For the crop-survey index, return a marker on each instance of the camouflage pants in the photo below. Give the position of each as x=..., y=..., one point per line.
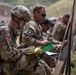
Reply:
x=51, y=61
x=25, y=66
x=44, y=68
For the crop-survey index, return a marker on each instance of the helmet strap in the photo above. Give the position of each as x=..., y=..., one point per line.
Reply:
x=16, y=21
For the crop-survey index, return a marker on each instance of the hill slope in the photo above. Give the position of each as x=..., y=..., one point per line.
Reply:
x=59, y=8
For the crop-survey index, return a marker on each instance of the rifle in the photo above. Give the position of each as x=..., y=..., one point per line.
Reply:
x=65, y=52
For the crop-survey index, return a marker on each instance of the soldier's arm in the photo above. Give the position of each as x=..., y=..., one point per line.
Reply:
x=62, y=28
x=57, y=45
x=8, y=51
x=56, y=29
x=30, y=38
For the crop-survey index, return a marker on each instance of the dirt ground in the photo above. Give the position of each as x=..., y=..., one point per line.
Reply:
x=5, y=19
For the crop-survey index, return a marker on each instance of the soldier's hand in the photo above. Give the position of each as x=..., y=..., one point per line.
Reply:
x=44, y=42
x=48, y=38
x=27, y=49
x=65, y=42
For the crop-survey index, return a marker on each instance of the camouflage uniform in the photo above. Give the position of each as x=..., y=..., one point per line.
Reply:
x=32, y=32
x=14, y=58
x=8, y=51
x=49, y=33
x=59, y=31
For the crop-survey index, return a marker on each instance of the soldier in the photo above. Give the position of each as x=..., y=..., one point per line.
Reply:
x=31, y=35
x=39, y=13
x=50, y=26
x=49, y=32
x=34, y=27
x=14, y=59
x=60, y=27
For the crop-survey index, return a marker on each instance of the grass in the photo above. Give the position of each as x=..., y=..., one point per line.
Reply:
x=74, y=59
x=59, y=8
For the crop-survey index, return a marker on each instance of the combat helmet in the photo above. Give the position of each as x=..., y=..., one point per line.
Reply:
x=21, y=12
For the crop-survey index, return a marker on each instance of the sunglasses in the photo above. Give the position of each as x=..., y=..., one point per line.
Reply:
x=44, y=15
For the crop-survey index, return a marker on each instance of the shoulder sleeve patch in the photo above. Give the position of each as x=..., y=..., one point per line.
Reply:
x=30, y=32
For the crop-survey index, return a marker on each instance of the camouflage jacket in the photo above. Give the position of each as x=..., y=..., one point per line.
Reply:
x=8, y=50
x=59, y=31
x=31, y=33
x=49, y=33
